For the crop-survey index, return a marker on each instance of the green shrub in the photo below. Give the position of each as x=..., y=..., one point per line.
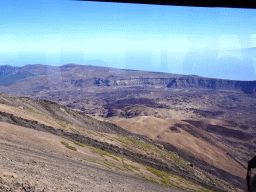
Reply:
x=68, y=146
x=102, y=153
x=63, y=124
x=110, y=164
x=104, y=165
x=90, y=159
x=94, y=150
x=79, y=144
x=127, y=166
x=94, y=161
x=101, y=134
x=170, y=156
x=122, y=158
x=147, y=178
x=129, y=141
x=64, y=143
x=34, y=112
x=165, y=180
x=134, y=167
x=75, y=131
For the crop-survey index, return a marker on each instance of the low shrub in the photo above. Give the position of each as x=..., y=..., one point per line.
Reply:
x=68, y=146
x=75, y=131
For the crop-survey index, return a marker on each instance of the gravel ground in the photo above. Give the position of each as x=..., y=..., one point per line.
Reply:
x=24, y=168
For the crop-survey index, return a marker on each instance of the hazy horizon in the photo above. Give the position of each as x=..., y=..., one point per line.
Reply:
x=172, y=39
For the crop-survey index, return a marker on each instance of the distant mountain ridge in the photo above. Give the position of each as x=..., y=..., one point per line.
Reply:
x=79, y=76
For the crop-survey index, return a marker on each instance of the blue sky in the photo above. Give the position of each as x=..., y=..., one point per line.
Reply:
x=135, y=36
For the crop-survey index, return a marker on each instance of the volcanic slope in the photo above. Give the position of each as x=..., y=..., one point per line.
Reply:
x=41, y=152
x=215, y=114
x=213, y=129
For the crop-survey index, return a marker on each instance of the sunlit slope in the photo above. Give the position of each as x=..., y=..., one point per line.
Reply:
x=27, y=131
x=166, y=130
x=39, y=160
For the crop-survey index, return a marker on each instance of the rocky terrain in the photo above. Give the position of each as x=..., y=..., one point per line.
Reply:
x=42, y=152
x=24, y=168
x=208, y=123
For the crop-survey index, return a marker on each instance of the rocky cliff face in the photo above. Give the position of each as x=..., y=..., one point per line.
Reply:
x=78, y=76
x=219, y=84
x=185, y=82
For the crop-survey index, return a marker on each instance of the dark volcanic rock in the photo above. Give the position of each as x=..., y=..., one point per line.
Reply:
x=223, y=131
x=209, y=114
x=232, y=123
x=174, y=129
x=235, y=180
x=245, y=127
x=189, y=129
x=120, y=104
x=195, y=123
